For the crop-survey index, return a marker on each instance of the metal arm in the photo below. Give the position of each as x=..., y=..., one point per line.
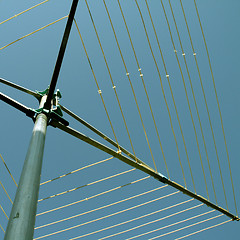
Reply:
x=23, y=89
x=143, y=168
x=28, y=111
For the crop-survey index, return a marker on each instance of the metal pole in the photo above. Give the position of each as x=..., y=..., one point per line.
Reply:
x=61, y=54
x=22, y=218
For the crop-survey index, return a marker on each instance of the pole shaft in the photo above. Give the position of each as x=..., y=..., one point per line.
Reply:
x=22, y=218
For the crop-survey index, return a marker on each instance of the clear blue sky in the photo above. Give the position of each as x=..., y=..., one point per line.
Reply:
x=30, y=62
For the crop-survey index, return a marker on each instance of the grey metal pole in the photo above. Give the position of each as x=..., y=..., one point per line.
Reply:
x=22, y=218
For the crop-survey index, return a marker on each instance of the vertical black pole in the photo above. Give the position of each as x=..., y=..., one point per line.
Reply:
x=61, y=54
x=22, y=218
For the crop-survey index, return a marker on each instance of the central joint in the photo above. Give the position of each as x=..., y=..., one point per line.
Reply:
x=55, y=112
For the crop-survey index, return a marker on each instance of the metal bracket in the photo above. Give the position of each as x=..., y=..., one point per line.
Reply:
x=54, y=114
x=45, y=92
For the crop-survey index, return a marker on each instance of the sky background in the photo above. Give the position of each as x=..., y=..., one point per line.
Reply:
x=30, y=62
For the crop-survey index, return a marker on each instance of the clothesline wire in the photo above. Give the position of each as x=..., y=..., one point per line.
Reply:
x=107, y=216
x=103, y=207
x=77, y=170
x=8, y=170
x=149, y=214
x=194, y=98
x=93, y=196
x=205, y=101
x=86, y=185
x=215, y=90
